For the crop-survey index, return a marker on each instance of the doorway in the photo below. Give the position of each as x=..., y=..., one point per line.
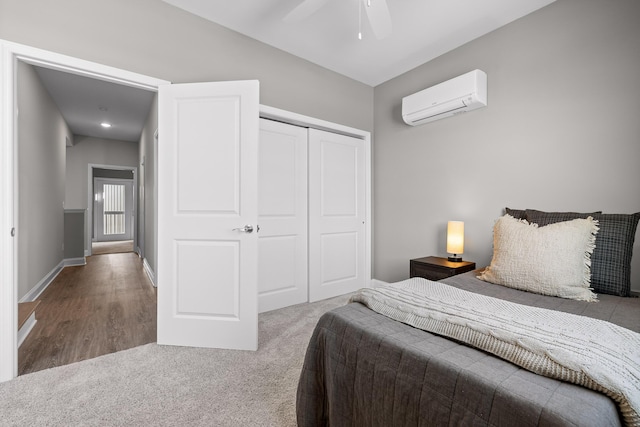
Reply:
x=113, y=207
x=44, y=108
x=112, y=219
x=13, y=55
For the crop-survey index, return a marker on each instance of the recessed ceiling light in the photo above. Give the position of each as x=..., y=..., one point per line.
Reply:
x=105, y=125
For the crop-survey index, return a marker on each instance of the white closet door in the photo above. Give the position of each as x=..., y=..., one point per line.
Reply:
x=282, y=215
x=336, y=214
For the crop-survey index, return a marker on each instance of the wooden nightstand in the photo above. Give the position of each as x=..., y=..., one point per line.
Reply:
x=436, y=268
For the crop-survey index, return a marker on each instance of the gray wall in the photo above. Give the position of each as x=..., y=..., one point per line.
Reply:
x=561, y=132
x=99, y=151
x=74, y=229
x=154, y=38
x=42, y=134
x=147, y=188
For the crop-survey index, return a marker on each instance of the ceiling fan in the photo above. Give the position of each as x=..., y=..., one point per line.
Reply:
x=377, y=13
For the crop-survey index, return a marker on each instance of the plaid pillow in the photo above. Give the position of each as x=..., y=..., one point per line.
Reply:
x=611, y=259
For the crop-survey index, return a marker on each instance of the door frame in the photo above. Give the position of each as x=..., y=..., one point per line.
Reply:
x=90, y=194
x=10, y=54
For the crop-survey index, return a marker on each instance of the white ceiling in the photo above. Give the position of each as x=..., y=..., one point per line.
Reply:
x=85, y=103
x=422, y=30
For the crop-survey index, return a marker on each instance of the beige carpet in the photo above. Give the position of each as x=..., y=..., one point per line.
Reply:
x=174, y=386
x=102, y=248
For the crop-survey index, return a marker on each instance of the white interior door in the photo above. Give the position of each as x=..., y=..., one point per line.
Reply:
x=113, y=209
x=337, y=214
x=282, y=215
x=207, y=209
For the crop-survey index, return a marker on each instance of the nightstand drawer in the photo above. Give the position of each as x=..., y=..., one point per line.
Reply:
x=418, y=270
x=435, y=268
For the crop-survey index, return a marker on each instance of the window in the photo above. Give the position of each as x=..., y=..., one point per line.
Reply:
x=114, y=201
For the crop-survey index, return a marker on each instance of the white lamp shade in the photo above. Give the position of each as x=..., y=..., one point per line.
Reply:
x=455, y=237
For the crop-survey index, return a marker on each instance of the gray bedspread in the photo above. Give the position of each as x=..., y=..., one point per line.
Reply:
x=364, y=369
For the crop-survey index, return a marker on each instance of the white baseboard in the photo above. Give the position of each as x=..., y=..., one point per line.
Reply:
x=150, y=273
x=70, y=262
x=375, y=283
x=39, y=287
x=26, y=328
x=35, y=292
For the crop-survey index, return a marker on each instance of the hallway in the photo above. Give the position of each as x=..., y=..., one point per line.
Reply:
x=105, y=306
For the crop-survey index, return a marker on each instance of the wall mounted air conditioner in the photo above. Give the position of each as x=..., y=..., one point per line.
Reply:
x=458, y=95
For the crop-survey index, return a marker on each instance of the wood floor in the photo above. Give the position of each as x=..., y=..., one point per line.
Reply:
x=101, y=248
x=105, y=306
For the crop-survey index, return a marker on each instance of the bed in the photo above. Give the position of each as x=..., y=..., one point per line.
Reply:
x=363, y=368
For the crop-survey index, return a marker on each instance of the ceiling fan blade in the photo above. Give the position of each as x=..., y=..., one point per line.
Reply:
x=379, y=17
x=305, y=9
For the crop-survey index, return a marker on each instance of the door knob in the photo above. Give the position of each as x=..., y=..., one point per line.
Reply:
x=245, y=229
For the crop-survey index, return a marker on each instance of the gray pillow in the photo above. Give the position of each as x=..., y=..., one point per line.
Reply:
x=545, y=218
x=611, y=259
x=516, y=213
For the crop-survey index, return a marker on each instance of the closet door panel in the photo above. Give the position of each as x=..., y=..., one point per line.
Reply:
x=282, y=216
x=336, y=214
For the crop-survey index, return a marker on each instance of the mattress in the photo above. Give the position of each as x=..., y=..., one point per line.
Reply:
x=364, y=369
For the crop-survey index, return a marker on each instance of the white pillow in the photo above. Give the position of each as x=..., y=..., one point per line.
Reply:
x=551, y=260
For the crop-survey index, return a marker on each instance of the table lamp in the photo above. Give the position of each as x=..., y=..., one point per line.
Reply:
x=455, y=240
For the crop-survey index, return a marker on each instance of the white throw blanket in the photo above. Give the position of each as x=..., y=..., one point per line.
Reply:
x=589, y=352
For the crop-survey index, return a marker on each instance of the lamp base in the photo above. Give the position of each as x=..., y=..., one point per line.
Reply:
x=454, y=258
